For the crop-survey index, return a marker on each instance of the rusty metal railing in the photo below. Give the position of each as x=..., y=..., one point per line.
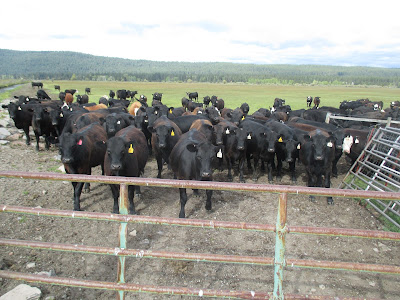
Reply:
x=281, y=229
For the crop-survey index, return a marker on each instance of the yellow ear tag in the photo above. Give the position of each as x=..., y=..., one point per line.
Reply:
x=130, y=149
x=242, y=118
x=170, y=111
x=172, y=133
x=280, y=140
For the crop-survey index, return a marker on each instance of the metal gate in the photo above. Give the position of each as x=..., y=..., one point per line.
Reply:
x=281, y=229
x=378, y=169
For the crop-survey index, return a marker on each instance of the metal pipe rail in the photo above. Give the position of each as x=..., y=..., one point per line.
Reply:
x=281, y=229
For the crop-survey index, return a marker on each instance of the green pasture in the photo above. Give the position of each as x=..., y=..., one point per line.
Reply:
x=234, y=95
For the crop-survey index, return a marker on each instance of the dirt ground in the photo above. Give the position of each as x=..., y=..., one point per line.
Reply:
x=227, y=206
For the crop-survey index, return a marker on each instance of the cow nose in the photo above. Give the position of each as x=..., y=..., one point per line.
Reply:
x=205, y=175
x=219, y=143
x=66, y=160
x=290, y=160
x=240, y=148
x=318, y=157
x=162, y=146
x=115, y=167
x=339, y=147
x=270, y=150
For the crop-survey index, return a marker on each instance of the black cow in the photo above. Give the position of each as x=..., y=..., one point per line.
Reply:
x=126, y=155
x=317, y=154
x=71, y=91
x=278, y=102
x=157, y=96
x=191, y=106
x=213, y=114
x=42, y=95
x=62, y=95
x=184, y=122
x=235, y=116
x=261, y=142
x=287, y=148
x=84, y=99
x=185, y=102
x=57, y=87
x=87, y=91
x=193, y=95
x=42, y=124
x=132, y=94
x=22, y=117
x=121, y=94
x=118, y=102
x=114, y=122
x=80, y=152
x=206, y=101
x=191, y=159
x=38, y=84
x=164, y=137
x=111, y=94
x=103, y=100
x=245, y=108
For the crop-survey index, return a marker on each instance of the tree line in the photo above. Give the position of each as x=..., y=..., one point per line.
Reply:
x=65, y=65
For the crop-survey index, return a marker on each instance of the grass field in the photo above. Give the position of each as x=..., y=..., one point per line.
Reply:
x=234, y=95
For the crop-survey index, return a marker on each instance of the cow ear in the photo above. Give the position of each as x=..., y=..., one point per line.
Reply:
x=229, y=115
x=4, y=106
x=191, y=147
x=102, y=120
x=307, y=137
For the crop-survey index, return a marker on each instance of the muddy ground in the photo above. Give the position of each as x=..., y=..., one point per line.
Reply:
x=227, y=206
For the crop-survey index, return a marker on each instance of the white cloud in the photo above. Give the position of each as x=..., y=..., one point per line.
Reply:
x=251, y=31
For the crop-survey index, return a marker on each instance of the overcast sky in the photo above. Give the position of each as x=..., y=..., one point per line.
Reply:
x=363, y=33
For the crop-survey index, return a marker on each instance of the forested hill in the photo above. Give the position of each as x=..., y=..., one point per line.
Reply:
x=73, y=65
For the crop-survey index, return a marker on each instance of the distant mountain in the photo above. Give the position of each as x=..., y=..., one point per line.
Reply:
x=66, y=64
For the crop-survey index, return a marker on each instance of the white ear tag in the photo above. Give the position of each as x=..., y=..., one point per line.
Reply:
x=298, y=147
x=227, y=131
x=61, y=115
x=119, y=122
x=356, y=141
x=219, y=154
x=19, y=108
x=249, y=137
x=329, y=144
x=146, y=121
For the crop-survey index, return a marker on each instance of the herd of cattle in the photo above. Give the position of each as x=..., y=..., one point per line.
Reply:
x=121, y=134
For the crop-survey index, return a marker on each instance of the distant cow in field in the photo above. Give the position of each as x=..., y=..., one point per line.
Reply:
x=87, y=91
x=57, y=87
x=317, y=102
x=309, y=101
x=41, y=94
x=38, y=84
x=193, y=95
x=111, y=94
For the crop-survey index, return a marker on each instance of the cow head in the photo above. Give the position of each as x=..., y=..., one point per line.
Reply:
x=205, y=153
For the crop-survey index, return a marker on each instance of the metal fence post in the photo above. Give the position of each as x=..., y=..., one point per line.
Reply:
x=280, y=240
x=123, y=231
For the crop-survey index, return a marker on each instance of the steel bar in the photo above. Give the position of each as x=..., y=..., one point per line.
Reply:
x=360, y=119
x=83, y=283
x=385, y=235
x=200, y=257
x=123, y=232
x=210, y=185
x=280, y=246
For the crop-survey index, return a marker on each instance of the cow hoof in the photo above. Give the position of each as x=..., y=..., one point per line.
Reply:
x=294, y=181
x=312, y=198
x=278, y=178
x=330, y=201
x=208, y=207
x=334, y=175
x=229, y=179
x=270, y=181
x=133, y=213
x=242, y=181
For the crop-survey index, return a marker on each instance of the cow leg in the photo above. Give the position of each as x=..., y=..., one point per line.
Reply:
x=26, y=131
x=241, y=165
x=338, y=154
x=328, y=185
x=248, y=162
x=77, y=194
x=131, y=195
x=311, y=183
x=115, y=193
x=208, y=201
x=37, y=141
x=229, y=163
x=183, y=198
x=196, y=193
x=256, y=170
x=46, y=142
x=159, y=165
x=279, y=169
